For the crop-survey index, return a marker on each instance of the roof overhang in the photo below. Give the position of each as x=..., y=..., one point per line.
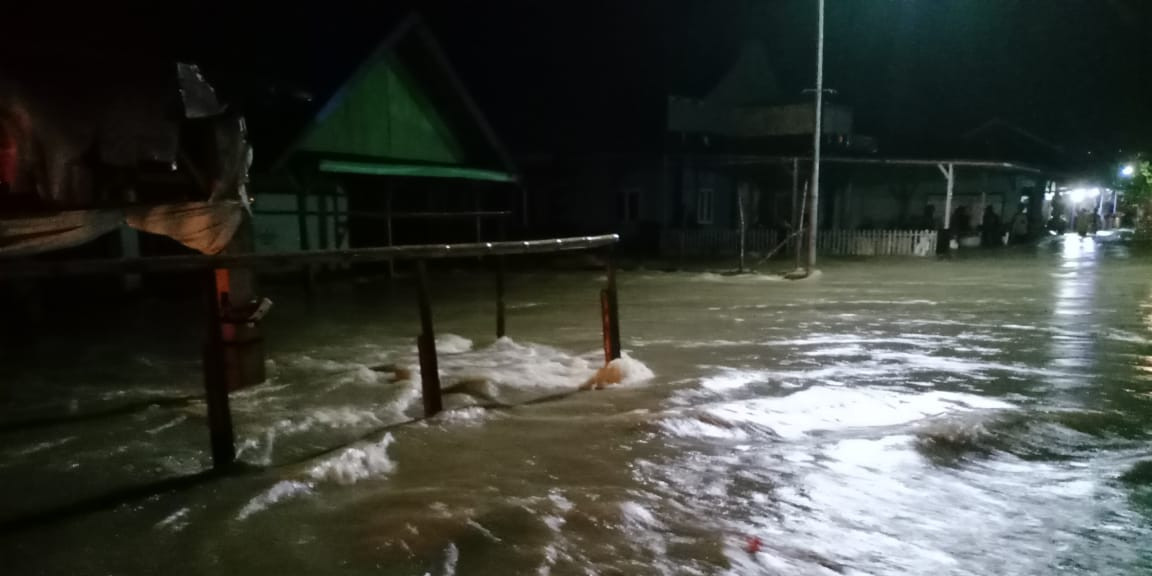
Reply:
x=992, y=164
x=414, y=170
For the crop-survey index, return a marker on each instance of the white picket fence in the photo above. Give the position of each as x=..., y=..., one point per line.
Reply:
x=712, y=242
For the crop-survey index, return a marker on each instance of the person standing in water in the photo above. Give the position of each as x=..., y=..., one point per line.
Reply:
x=990, y=235
x=1019, y=227
x=1083, y=223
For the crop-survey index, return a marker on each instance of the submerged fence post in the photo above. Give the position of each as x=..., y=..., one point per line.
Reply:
x=740, y=194
x=500, y=271
x=426, y=345
x=216, y=378
x=610, y=315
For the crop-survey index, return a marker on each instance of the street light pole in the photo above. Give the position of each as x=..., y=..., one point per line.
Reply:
x=814, y=206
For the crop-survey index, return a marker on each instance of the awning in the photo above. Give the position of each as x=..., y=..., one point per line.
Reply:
x=206, y=227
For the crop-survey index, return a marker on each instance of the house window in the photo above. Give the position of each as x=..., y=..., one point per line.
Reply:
x=705, y=198
x=630, y=205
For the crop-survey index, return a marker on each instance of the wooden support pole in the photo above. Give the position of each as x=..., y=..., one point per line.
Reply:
x=741, y=193
x=308, y=275
x=426, y=344
x=130, y=248
x=500, y=307
x=610, y=316
x=945, y=243
x=216, y=378
x=388, y=227
x=801, y=237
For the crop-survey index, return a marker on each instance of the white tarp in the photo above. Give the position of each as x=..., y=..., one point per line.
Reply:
x=203, y=226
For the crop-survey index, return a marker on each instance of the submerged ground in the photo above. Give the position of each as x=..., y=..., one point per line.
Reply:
x=984, y=415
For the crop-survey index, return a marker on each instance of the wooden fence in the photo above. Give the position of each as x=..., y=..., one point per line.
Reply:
x=726, y=243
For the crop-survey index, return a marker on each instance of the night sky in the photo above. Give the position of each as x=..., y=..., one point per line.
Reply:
x=590, y=76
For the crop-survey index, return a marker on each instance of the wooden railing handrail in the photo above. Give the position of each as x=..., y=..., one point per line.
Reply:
x=21, y=268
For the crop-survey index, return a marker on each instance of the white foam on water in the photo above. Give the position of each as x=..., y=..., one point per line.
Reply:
x=835, y=375
x=174, y=422
x=311, y=364
x=351, y=465
x=283, y=490
x=176, y=521
x=558, y=499
x=451, y=559
x=888, y=302
x=406, y=395
x=636, y=515
x=452, y=344
x=469, y=415
x=962, y=366
x=42, y=446
x=848, y=350
x=361, y=375
x=509, y=364
x=1118, y=335
x=711, y=343
x=848, y=339
x=484, y=530
x=331, y=419
x=820, y=409
x=355, y=464
x=731, y=380
x=733, y=278
x=632, y=371
x=694, y=427
x=255, y=394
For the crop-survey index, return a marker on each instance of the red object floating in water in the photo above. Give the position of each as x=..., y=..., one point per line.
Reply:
x=754, y=544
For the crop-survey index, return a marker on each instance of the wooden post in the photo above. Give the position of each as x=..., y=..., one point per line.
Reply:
x=237, y=292
x=388, y=227
x=426, y=344
x=500, y=270
x=685, y=169
x=216, y=378
x=949, y=173
x=796, y=214
x=801, y=236
x=308, y=272
x=302, y=215
x=130, y=248
x=477, y=206
x=610, y=316
x=741, y=192
x=322, y=234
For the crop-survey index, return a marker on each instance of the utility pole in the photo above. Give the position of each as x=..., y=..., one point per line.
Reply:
x=814, y=207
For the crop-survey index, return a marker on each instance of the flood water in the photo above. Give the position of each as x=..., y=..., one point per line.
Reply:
x=984, y=415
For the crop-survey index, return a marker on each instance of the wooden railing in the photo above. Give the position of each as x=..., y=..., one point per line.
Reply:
x=726, y=243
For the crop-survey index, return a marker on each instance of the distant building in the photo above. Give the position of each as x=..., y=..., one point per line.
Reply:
x=747, y=139
x=687, y=183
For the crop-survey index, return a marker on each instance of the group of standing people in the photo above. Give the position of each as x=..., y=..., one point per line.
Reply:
x=992, y=228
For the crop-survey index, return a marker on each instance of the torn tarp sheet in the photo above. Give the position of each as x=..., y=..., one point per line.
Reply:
x=206, y=227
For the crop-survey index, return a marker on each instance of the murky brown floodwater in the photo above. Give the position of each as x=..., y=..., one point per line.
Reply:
x=982, y=416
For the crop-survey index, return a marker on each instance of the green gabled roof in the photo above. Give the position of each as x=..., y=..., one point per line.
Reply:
x=383, y=113
x=404, y=106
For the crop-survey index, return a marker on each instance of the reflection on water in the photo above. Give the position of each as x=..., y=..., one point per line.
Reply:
x=980, y=416
x=1073, y=308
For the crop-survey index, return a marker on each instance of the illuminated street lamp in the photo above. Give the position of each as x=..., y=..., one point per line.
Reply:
x=1128, y=171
